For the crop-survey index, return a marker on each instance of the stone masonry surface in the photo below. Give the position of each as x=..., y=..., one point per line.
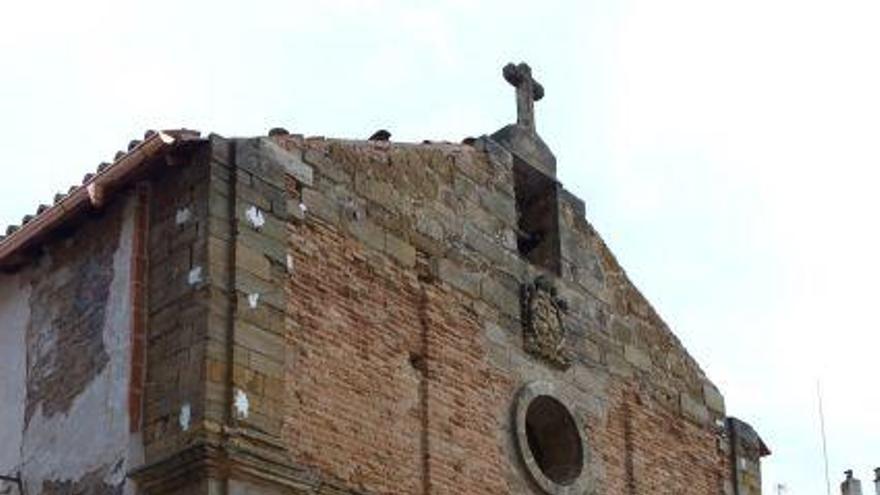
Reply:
x=410, y=372
x=282, y=315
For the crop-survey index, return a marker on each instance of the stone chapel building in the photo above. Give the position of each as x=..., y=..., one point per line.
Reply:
x=288, y=315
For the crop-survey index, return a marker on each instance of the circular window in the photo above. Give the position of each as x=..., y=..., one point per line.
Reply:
x=554, y=440
x=550, y=441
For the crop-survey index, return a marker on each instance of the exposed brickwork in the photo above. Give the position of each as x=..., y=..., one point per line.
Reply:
x=178, y=306
x=359, y=398
x=389, y=370
x=466, y=396
x=359, y=377
x=646, y=448
x=70, y=291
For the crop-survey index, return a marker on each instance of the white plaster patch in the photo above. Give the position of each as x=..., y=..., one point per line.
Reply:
x=289, y=263
x=253, y=300
x=255, y=217
x=241, y=403
x=183, y=215
x=185, y=416
x=195, y=275
x=303, y=208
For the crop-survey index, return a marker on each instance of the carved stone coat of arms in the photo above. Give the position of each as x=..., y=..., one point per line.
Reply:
x=544, y=331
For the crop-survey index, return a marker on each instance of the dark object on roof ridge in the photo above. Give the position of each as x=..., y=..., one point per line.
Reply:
x=278, y=131
x=380, y=135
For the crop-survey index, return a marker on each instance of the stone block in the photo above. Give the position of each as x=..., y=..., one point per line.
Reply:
x=400, y=250
x=259, y=157
x=273, y=192
x=326, y=166
x=378, y=191
x=500, y=296
x=257, y=340
x=319, y=205
x=637, y=357
x=492, y=249
x=473, y=165
x=253, y=261
x=459, y=277
x=713, y=398
x=693, y=409
x=248, y=196
x=368, y=233
x=273, y=249
x=619, y=366
x=499, y=204
x=431, y=224
x=295, y=166
x=497, y=334
x=256, y=309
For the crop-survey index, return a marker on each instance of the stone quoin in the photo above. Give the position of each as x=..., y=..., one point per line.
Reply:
x=292, y=315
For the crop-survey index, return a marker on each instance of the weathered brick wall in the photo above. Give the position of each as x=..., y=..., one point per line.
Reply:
x=74, y=358
x=405, y=334
x=177, y=309
x=648, y=448
x=326, y=316
x=405, y=390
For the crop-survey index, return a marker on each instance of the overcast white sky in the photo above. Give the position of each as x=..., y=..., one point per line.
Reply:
x=727, y=151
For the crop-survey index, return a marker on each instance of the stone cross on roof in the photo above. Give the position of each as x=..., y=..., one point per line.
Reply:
x=528, y=91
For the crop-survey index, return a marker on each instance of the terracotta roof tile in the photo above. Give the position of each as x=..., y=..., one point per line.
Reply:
x=13, y=231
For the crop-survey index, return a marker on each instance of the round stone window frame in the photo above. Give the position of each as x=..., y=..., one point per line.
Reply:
x=526, y=397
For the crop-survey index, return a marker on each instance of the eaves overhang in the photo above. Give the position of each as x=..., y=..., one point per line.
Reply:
x=93, y=193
